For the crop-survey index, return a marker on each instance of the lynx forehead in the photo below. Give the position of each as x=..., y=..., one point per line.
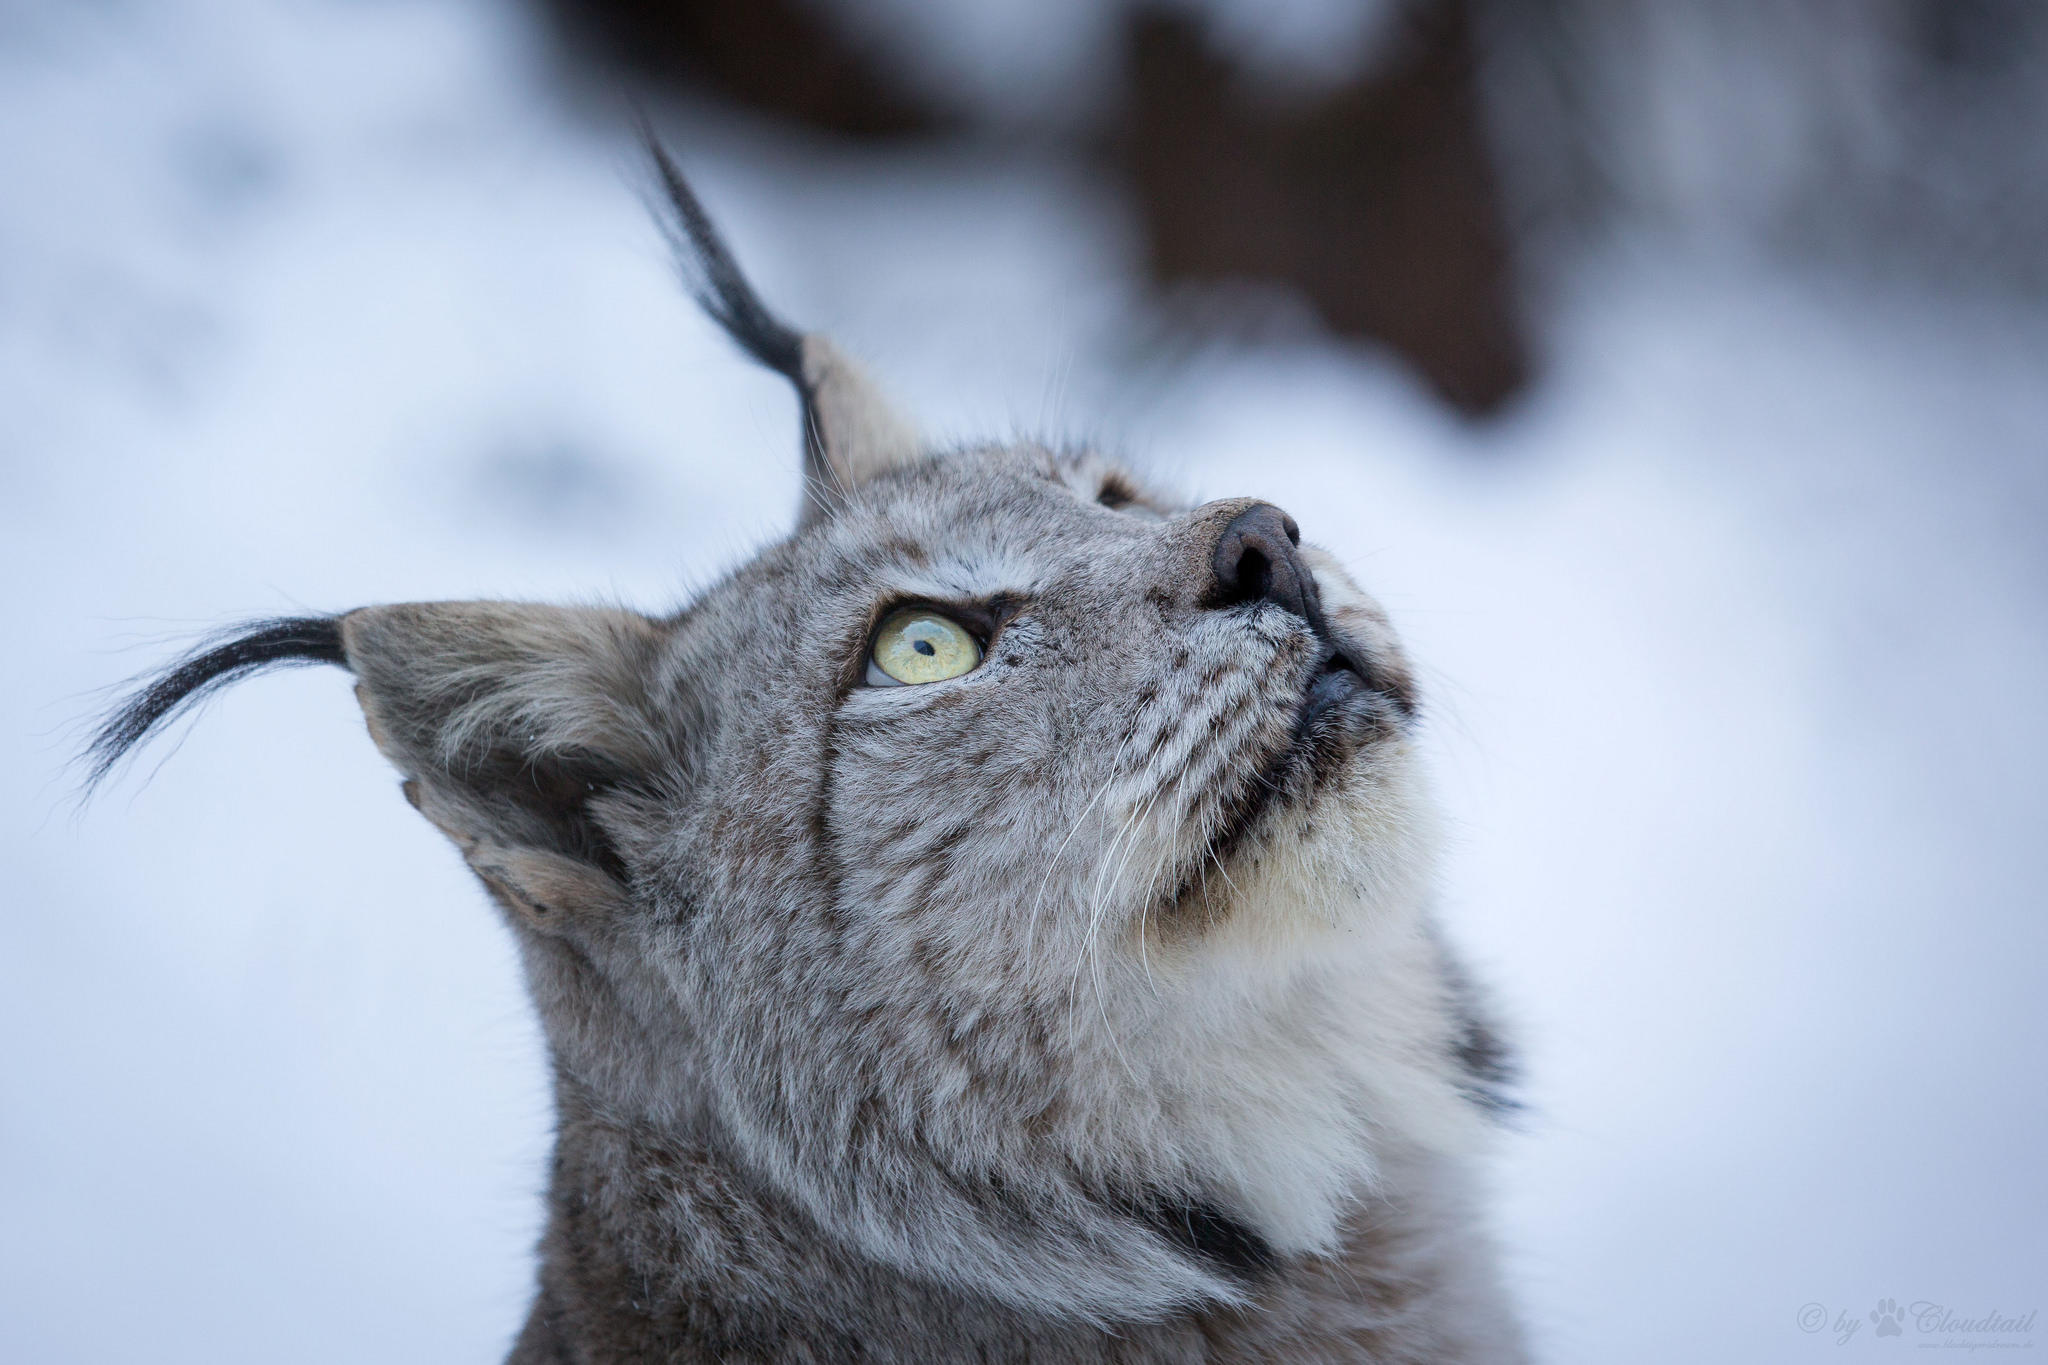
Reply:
x=995, y=914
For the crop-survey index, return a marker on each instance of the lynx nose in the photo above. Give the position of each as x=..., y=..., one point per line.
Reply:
x=1256, y=560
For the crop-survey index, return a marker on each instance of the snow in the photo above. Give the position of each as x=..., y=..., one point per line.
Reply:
x=1736, y=636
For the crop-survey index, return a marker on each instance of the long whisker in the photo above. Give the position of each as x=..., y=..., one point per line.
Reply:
x=1038, y=901
x=1162, y=861
x=1091, y=957
x=1098, y=899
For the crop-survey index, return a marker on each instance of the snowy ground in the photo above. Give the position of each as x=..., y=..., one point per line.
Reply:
x=1737, y=635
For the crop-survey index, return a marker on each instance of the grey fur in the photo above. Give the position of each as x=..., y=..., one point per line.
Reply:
x=990, y=1019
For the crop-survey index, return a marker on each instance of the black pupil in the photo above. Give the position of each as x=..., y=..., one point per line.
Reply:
x=923, y=647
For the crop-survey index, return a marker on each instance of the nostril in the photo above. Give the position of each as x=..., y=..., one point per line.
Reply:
x=1254, y=573
x=1293, y=531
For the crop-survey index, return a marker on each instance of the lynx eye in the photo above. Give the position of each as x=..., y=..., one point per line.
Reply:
x=918, y=645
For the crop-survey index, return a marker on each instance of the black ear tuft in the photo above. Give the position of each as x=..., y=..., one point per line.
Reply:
x=851, y=432
x=280, y=642
x=714, y=278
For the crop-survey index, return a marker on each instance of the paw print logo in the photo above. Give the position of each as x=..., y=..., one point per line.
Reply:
x=1886, y=1315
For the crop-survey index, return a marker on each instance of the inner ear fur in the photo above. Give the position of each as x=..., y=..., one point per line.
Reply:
x=551, y=892
x=511, y=722
x=852, y=430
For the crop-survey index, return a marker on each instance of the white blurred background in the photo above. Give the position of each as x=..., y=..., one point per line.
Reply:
x=1730, y=583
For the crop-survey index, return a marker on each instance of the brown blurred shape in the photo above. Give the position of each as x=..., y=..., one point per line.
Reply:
x=779, y=56
x=1376, y=199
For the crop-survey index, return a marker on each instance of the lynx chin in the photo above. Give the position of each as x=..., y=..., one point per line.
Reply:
x=992, y=924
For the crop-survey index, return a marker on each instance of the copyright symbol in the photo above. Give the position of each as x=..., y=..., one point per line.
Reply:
x=1813, y=1317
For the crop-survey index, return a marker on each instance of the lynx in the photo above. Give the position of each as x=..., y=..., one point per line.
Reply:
x=993, y=924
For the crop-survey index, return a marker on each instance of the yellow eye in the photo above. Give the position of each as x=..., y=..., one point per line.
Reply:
x=917, y=645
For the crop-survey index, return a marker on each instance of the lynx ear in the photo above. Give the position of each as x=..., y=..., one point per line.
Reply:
x=514, y=725
x=851, y=432
x=516, y=728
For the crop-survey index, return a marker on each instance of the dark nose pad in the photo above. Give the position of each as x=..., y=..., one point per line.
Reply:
x=1256, y=560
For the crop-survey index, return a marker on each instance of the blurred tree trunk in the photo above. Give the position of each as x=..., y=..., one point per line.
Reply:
x=1377, y=200
x=782, y=57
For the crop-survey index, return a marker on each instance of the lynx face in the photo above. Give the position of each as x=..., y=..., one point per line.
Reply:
x=1022, y=875
x=1138, y=730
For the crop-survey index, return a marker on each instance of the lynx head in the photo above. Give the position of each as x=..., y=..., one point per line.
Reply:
x=1017, y=870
